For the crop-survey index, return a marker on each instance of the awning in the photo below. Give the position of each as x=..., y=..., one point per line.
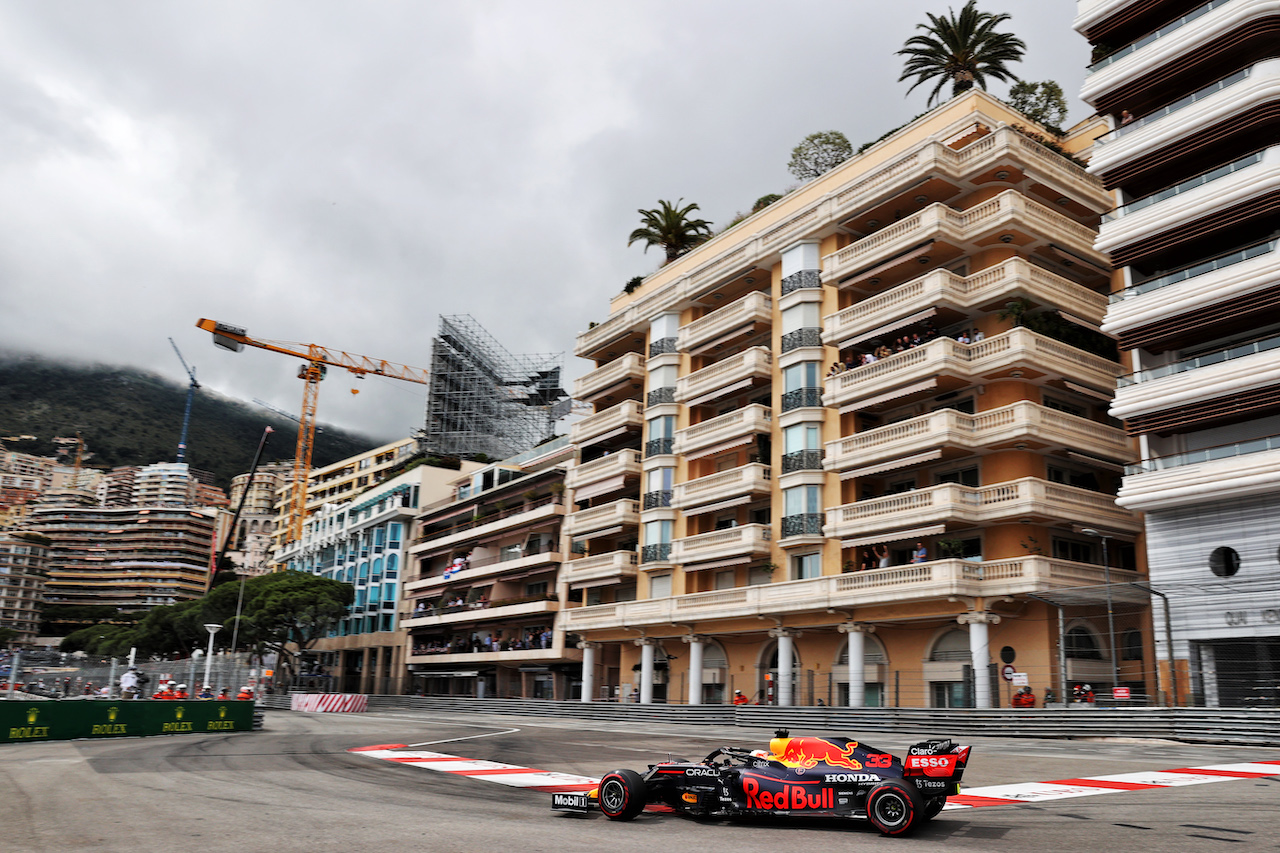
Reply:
x=1088, y=392
x=1080, y=321
x=720, y=392
x=902, y=462
x=617, y=528
x=446, y=673
x=720, y=448
x=889, y=327
x=718, y=564
x=895, y=536
x=859, y=277
x=609, y=581
x=700, y=510
x=1072, y=258
x=603, y=487
x=1093, y=460
x=926, y=385
x=613, y=433
x=718, y=340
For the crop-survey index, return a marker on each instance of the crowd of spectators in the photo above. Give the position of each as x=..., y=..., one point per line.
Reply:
x=533, y=638
x=899, y=344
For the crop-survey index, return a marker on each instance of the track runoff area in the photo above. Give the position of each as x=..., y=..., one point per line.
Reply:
x=549, y=781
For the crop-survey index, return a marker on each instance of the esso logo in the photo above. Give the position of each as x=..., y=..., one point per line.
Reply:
x=932, y=765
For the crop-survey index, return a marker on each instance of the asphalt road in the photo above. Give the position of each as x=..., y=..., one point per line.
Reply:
x=294, y=787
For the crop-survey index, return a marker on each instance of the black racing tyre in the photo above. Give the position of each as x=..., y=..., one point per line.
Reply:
x=895, y=807
x=622, y=794
x=933, y=807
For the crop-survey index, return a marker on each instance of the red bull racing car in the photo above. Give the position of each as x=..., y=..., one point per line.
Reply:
x=796, y=776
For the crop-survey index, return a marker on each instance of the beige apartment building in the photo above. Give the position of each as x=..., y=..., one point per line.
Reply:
x=856, y=449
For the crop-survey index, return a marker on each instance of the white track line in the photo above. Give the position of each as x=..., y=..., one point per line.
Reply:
x=992, y=795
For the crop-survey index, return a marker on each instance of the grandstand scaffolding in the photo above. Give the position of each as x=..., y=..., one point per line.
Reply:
x=483, y=399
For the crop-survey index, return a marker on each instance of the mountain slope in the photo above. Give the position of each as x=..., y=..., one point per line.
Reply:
x=130, y=417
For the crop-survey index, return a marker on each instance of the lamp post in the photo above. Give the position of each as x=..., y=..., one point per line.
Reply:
x=212, y=628
x=1111, y=623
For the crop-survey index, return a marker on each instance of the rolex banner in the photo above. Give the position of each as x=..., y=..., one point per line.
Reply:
x=91, y=718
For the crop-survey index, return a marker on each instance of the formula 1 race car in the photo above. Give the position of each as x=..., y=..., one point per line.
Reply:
x=797, y=776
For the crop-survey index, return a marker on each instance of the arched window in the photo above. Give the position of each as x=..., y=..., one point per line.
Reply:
x=872, y=653
x=393, y=562
x=952, y=646
x=1132, y=645
x=1081, y=645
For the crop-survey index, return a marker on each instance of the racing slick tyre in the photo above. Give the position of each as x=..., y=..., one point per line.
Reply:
x=895, y=807
x=933, y=807
x=622, y=795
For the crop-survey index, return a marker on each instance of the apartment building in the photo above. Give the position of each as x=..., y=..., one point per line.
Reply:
x=856, y=448
x=484, y=593
x=127, y=557
x=250, y=549
x=23, y=558
x=1192, y=94
x=364, y=541
x=338, y=482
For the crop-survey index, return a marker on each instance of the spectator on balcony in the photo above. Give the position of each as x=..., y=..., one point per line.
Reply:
x=920, y=554
x=869, y=561
x=835, y=368
x=963, y=337
x=1125, y=116
x=882, y=555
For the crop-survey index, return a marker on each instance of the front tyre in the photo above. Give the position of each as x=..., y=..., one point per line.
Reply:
x=895, y=808
x=622, y=795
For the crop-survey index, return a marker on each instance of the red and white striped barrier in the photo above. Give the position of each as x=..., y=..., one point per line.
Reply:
x=330, y=703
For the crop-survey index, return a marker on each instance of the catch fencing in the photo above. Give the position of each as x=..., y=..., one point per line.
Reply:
x=85, y=677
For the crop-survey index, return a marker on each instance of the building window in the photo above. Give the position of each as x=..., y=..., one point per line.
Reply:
x=806, y=566
x=660, y=586
x=1073, y=550
x=1080, y=645
x=1224, y=562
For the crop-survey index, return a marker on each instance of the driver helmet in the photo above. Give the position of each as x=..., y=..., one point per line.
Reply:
x=1087, y=687
x=182, y=687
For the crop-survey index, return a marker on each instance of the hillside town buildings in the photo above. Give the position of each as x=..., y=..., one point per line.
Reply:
x=23, y=561
x=1191, y=93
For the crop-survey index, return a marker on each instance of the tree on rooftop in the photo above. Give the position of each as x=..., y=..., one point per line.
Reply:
x=670, y=227
x=963, y=50
x=1043, y=103
x=819, y=153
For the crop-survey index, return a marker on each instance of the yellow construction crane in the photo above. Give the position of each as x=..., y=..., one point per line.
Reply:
x=317, y=359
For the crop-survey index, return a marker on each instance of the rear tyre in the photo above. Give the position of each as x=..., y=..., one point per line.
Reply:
x=622, y=795
x=895, y=808
x=933, y=807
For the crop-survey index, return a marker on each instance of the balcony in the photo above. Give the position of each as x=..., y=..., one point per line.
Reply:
x=600, y=569
x=942, y=288
x=731, y=374
x=487, y=526
x=600, y=518
x=620, y=376
x=1239, y=470
x=614, y=467
x=745, y=542
x=1024, y=422
x=1029, y=498
x=938, y=581
x=613, y=421
x=1227, y=186
x=467, y=615
x=1208, y=107
x=1216, y=375
x=1018, y=351
x=742, y=318
x=752, y=480
x=736, y=428
x=979, y=226
x=486, y=569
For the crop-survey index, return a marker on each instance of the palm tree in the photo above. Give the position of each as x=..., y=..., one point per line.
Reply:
x=670, y=227
x=961, y=49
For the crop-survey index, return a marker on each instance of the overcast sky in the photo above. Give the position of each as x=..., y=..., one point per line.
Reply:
x=345, y=172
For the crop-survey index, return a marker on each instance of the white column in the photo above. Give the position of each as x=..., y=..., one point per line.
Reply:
x=980, y=654
x=646, y=671
x=695, y=668
x=786, y=654
x=857, y=661
x=588, y=671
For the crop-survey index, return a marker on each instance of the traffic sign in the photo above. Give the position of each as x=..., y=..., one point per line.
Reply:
x=1120, y=693
x=1008, y=671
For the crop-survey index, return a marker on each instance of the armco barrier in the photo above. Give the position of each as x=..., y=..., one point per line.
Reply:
x=1245, y=727
x=38, y=720
x=331, y=703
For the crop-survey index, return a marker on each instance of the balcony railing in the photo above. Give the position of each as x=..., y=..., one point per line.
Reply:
x=964, y=292
x=612, y=465
x=662, y=346
x=939, y=580
x=801, y=398
x=1029, y=497
x=801, y=338
x=1157, y=35
x=748, y=420
x=753, y=478
x=658, y=447
x=599, y=517
x=658, y=499
x=1186, y=186
x=1210, y=358
x=1208, y=454
x=658, y=396
x=753, y=363
x=628, y=368
x=1198, y=269
x=744, y=540
x=742, y=314
x=801, y=280
x=805, y=524
x=802, y=460
x=659, y=553
x=614, y=565
x=628, y=413
x=1168, y=110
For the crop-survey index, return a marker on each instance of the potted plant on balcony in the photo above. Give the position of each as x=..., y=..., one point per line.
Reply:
x=951, y=549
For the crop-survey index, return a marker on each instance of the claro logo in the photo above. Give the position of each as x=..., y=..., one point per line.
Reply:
x=790, y=798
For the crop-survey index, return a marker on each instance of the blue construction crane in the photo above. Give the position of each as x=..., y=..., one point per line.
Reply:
x=191, y=390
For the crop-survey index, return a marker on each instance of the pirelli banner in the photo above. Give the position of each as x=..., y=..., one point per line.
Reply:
x=23, y=722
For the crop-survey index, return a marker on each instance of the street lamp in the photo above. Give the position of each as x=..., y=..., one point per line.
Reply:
x=1111, y=622
x=212, y=628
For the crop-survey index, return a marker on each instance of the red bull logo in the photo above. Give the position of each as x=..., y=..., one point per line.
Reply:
x=804, y=753
x=791, y=798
